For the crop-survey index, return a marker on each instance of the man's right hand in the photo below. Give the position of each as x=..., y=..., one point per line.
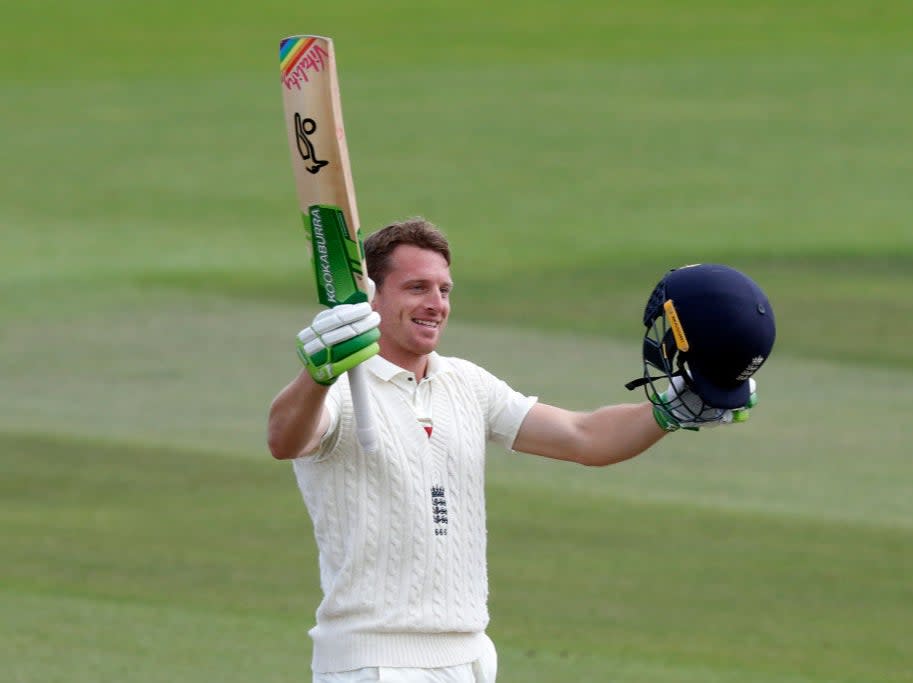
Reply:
x=337, y=340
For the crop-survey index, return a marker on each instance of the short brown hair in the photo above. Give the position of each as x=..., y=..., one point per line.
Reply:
x=418, y=232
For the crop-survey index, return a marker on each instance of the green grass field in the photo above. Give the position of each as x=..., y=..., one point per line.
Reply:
x=153, y=274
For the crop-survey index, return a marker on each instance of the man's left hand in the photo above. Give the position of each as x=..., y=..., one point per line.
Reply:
x=678, y=407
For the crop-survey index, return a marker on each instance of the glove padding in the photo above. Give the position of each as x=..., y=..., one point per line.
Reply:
x=678, y=407
x=337, y=340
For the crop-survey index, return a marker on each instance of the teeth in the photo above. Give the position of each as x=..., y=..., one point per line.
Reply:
x=426, y=323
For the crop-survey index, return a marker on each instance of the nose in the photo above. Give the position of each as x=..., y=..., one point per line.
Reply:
x=435, y=300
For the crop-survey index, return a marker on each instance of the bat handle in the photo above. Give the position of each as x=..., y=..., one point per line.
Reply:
x=364, y=418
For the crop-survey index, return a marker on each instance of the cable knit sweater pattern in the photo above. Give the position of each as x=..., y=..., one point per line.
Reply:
x=402, y=534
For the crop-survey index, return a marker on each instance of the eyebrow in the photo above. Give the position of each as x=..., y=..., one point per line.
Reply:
x=423, y=281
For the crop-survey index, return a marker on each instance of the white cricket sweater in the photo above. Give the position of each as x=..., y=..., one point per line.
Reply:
x=402, y=535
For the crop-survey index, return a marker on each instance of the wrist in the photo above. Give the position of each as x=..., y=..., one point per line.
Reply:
x=664, y=418
x=322, y=374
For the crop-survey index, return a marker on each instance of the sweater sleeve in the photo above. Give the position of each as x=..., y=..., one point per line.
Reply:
x=505, y=408
x=336, y=402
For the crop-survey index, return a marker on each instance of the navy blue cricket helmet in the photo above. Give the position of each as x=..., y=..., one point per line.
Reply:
x=710, y=324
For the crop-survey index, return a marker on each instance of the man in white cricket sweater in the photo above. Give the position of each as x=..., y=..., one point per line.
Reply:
x=402, y=533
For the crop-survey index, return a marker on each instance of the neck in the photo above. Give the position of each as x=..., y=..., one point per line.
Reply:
x=417, y=365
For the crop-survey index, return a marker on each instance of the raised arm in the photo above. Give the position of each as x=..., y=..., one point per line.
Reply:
x=297, y=418
x=337, y=340
x=709, y=328
x=601, y=437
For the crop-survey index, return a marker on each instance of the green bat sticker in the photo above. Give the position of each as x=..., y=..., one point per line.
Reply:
x=337, y=258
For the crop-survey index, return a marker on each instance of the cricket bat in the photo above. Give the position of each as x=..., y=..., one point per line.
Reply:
x=326, y=193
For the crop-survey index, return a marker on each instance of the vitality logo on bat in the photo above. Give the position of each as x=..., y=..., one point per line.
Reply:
x=303, y=129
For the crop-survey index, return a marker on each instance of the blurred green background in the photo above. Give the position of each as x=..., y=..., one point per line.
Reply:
x=153, y=273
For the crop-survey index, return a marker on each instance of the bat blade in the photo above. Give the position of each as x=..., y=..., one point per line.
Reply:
x=326, y=193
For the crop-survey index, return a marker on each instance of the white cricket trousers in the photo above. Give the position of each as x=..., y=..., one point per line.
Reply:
x=483, y=670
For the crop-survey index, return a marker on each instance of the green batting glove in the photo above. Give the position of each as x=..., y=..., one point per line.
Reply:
x=678, y=407
x=338, y=339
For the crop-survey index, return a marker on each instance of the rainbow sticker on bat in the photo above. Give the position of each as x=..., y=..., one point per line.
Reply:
x=299, y=57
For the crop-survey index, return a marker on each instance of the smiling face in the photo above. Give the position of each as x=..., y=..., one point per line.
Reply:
x=414, y=304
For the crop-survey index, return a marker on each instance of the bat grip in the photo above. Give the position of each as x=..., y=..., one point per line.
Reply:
x=364, y=418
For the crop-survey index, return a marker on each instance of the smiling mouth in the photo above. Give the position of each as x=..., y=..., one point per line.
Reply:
x=427, y=323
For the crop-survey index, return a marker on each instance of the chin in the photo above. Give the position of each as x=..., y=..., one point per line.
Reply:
x=426, y=345
x=425, y=349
